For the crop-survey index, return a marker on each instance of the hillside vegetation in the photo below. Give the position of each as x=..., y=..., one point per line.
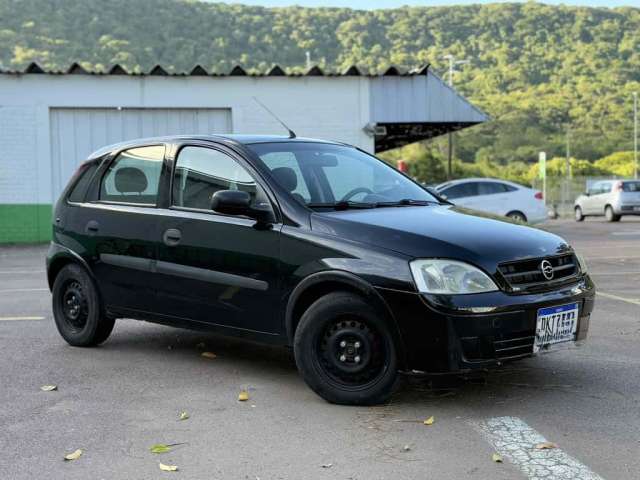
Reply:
x=540, y=71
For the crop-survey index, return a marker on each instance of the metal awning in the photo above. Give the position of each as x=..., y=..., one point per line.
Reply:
x=406, y=109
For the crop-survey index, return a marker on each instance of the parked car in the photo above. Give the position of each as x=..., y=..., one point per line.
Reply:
x=611, y=198
x=311, y=244
x=499, y=197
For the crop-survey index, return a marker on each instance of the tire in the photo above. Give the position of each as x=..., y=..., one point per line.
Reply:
x=77, y=309
x=364, y=373
x=610, y=214
x=518, y=216
x=578, y=214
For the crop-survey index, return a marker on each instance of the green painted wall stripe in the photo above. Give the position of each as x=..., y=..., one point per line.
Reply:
x=25, y=223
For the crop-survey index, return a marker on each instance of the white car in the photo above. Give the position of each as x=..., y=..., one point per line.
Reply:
x=499, y=197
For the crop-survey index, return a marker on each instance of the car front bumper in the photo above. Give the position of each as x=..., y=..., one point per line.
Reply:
x=464, y=332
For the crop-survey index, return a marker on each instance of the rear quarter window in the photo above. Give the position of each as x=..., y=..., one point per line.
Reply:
x=82, y=181
x=631, y=186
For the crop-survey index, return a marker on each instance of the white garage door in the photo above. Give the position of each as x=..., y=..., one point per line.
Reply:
x=76, y=132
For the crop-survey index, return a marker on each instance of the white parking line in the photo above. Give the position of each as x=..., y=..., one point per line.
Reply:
x=621, y=234
x=19, y=272
x=516, y=441
x=19, y=290
x=13, y=319
x=633, y=301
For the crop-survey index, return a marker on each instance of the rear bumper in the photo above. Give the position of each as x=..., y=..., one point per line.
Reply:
x=461, y=333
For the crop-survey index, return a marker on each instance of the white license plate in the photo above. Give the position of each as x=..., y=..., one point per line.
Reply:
x=556, y=325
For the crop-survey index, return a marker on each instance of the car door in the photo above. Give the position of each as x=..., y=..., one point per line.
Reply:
x=115, y=227
x=217, y=269
x=493, y=198
x=599, y=197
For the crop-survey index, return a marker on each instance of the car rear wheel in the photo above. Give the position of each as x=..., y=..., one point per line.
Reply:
x=345, y=351
x=610, y=214
x=579, y=215
x=518, y=216
x=77, y=309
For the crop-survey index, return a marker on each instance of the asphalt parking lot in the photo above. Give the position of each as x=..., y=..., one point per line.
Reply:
x=116, y=401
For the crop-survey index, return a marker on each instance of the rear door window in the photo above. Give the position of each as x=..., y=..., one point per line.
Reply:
x=491, y=188
x=134, y=176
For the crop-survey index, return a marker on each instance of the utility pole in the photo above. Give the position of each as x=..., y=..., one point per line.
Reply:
x=635, y=134
x=308, y=55
x=452, y=63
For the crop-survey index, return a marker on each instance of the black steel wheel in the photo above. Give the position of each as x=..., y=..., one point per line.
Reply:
x=77, y=309
x=345, y=351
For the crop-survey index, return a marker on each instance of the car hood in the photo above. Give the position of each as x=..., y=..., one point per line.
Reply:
x=442, y=231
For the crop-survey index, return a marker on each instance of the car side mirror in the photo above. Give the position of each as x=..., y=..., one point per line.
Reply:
x=237, y=202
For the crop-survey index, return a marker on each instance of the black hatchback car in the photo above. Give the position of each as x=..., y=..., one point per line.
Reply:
x=310, y=244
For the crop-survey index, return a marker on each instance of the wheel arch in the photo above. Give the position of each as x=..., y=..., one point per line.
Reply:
x=511, y=212
x=60, y=260
x=319, y=284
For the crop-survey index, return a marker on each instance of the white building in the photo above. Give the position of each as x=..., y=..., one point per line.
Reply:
x=51, y=121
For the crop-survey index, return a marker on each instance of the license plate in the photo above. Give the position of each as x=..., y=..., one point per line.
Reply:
x=556, y=325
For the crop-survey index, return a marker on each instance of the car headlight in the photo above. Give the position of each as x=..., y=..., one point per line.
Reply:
x=581, y=262
x=449, y=277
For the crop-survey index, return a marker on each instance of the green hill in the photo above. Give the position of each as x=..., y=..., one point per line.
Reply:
x=538, y=70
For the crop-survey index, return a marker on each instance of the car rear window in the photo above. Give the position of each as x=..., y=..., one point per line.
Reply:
x=631, y=186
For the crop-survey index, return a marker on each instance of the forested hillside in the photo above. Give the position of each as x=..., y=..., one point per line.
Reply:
x=538, y=70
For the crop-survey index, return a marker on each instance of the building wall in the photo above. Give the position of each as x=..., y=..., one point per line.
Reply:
x=335, y=108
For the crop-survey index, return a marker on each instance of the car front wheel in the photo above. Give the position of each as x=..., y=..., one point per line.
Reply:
x=579, y=214
x=77, y=309
x=345, y=351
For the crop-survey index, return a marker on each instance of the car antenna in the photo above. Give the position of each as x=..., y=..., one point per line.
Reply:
x=292, y=134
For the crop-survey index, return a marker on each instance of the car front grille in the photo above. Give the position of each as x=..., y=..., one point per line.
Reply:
x=514, y=347
x=523, y=275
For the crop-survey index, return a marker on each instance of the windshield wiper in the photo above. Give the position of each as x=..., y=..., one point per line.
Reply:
x=340, y=205
x=406, y=202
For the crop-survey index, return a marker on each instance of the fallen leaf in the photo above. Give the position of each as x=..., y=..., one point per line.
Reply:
x=406, y=448
x=208, y=355
x=496, y=458
x=429, y=421
x=184, y=416
x=49, y=388
x=327, y=465
x=160, y=448
x=243, y=396
x=168, y=468
x=73, y=456
x=546, y=446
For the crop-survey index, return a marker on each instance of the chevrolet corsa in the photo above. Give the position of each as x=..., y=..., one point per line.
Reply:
x=310, y=244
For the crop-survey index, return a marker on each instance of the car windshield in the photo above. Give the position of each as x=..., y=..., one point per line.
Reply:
x=323, y=175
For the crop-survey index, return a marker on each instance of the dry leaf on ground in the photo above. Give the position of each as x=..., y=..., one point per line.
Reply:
x=208, y=355
x=327, y=465
x=184, y=415
x=48, y=388
x=496, y=458
x=168, y=468
x=546, y=446
x=243, y=396
x=429, y=421
x=73, y=456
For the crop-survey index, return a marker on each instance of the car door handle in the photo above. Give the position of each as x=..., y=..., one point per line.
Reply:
x=93, y=227
x=172, y=237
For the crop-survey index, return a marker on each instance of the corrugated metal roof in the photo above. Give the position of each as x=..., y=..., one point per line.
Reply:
x=198, y=70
